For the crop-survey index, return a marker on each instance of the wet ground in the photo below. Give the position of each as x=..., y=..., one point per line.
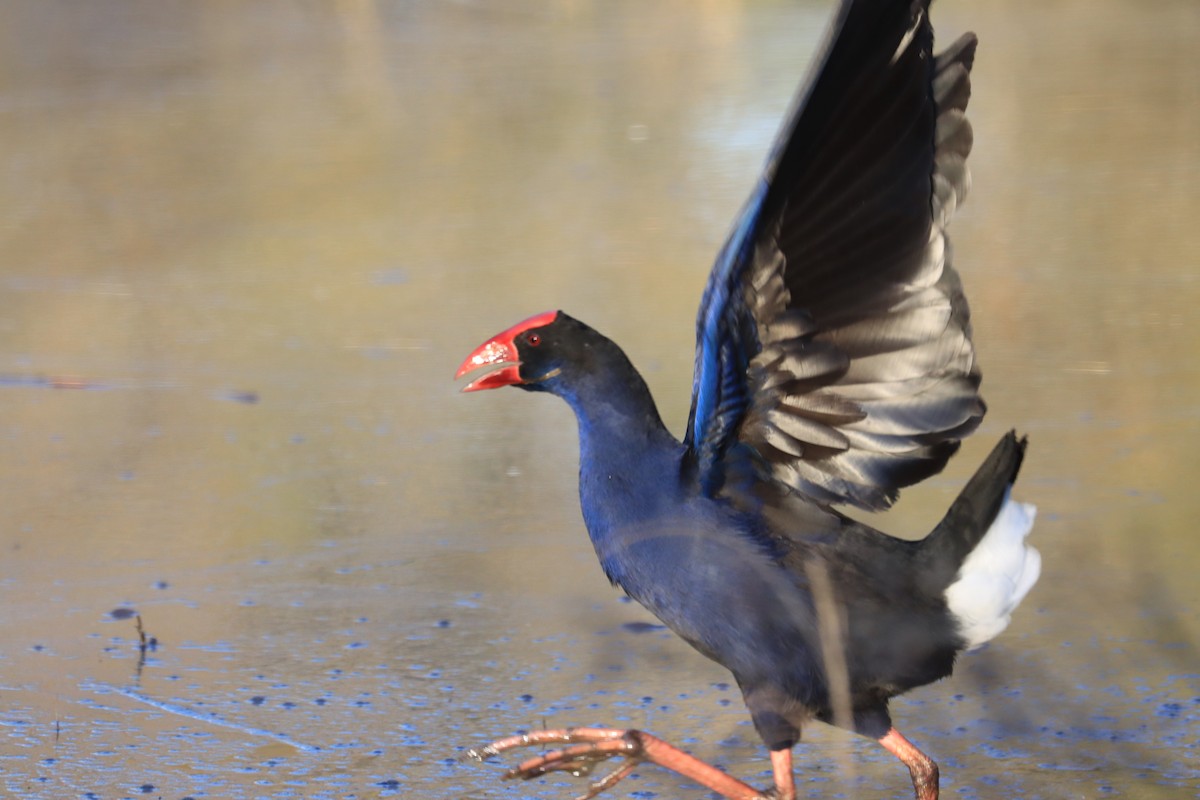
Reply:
x=244, y=246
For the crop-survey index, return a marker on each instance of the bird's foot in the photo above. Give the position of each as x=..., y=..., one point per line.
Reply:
x=586, y=747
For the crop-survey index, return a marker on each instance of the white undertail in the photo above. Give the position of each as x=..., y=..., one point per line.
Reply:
x=996, y=575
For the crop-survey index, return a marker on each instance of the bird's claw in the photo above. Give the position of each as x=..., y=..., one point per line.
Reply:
x=586, y=748
x=581, y=749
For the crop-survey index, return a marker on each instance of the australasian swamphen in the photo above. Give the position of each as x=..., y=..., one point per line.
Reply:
x=833, y=366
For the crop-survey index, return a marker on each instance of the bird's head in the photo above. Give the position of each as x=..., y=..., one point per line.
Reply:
x=530, y=354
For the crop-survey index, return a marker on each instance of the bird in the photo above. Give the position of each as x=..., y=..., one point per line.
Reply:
x=834, y=366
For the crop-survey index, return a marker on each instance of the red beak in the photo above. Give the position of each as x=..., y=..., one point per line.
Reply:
x=500, y=350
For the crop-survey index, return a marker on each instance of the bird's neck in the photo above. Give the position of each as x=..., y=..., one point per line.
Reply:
x=629, y=462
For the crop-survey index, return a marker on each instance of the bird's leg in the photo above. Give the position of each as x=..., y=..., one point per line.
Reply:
x=920, y=766
x=586, y=747
x=781, y=768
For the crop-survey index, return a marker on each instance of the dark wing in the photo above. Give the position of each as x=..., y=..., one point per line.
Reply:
x=833, y=341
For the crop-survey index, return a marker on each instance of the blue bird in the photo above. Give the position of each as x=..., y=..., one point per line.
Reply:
x=834, y=366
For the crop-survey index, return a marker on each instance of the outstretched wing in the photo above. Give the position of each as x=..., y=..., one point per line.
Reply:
x=833, y=341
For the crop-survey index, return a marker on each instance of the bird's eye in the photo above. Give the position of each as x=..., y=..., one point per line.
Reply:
x=533, y=339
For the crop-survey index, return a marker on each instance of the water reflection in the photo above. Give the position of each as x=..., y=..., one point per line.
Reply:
x=244, y=246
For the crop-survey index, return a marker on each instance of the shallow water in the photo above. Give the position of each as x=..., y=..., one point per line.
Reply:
x=244, y=246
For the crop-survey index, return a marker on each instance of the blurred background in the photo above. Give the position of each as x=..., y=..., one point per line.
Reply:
x=243, y=247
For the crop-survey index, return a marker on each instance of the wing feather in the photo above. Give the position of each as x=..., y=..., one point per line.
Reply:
x=833, y=339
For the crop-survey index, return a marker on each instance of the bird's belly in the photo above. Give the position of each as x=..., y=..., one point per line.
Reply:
x=722, y=593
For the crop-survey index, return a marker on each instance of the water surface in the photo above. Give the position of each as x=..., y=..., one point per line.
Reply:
x=244, y=246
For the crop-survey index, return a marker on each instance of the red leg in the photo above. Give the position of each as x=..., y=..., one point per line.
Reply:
x=589, y=746
x=781, y=767
x=920, y=766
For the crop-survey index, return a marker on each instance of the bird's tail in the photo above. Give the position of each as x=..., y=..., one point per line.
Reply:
x=982, y=539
